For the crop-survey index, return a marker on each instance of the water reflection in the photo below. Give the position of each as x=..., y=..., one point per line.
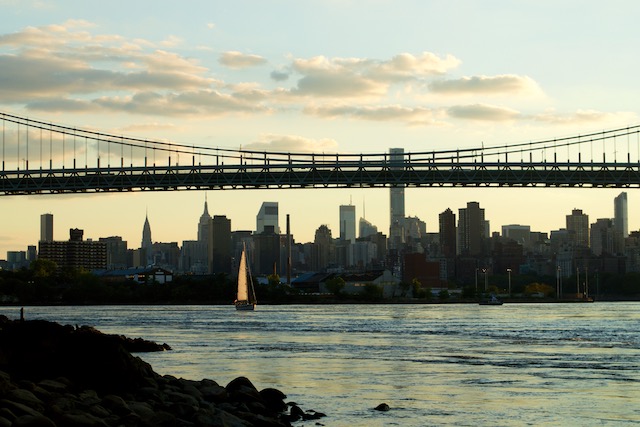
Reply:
x=537, y=364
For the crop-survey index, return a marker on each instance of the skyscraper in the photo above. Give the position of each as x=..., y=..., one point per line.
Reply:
x=267, y=216
x=620, y=221
x=348, y=223
x=46, y=228
x=396, y=202
x=447, y=229
x=146, y=246
x=203, y=224
x=146, y=235
x=578, y=228
x=471, y=229
x=396, y=160
x=219, y=244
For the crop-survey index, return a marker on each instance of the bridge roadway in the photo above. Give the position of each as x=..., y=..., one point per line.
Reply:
x=320, y=174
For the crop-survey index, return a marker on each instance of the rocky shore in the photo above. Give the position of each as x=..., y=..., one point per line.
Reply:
x=55, y=375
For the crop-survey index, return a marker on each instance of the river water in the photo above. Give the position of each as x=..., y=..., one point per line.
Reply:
x=463, y=365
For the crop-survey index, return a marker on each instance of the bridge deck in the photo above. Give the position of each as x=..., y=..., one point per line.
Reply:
x=335, y=174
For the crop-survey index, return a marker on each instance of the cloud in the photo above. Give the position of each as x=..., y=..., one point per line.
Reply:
x=483, y=112
x=584, y=117
x=506, y=83
x=358, y=77
x=279, y=76
x=292, y=143
x=238, y=60
x=410, y=115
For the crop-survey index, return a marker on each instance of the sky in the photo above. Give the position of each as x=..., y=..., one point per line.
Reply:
x=317, y=76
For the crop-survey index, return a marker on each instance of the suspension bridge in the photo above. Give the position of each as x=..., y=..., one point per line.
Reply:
x=48, y=158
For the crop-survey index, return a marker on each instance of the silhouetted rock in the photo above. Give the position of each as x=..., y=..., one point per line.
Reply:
x=54, y=375
x=382, y=407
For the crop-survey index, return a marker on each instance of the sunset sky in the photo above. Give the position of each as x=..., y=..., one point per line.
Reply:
x=317, y=76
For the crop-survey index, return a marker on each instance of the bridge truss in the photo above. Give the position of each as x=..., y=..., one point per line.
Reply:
x=71, y=160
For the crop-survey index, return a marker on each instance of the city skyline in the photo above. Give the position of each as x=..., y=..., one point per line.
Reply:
x=274, y=77
x=45, y=225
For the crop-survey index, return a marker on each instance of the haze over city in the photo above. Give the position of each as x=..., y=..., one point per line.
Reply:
x=317, y=76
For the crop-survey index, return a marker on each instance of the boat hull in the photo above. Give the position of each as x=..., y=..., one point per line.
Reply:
x=245, y=306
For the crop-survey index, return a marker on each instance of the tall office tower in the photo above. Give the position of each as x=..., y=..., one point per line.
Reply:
x=602, y=237
x=146, y=235
x=620, y=221
x=46, y=228
x=578, y=228
x=348, y=223
x=366, y=228
x=146, y=246
x=267, y=216
x=396, y=205
x=471, y=229
x=220, y=244
x=447, y=224
x=203, y=224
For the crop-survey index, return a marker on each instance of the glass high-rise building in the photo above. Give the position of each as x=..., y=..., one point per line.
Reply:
x=396, y=204
x=267, y=217
x=348, y=223
x=46, y=228
x=620, y=221
x=621, y=216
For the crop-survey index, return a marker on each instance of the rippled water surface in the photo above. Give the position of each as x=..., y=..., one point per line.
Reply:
x=469, y=365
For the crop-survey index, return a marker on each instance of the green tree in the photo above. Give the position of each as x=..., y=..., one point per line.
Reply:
x=372, y=291
x=416, y=288
x=43, y=268
x=443, y=295
x=335, y=285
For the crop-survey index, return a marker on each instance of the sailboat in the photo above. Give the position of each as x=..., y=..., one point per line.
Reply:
x=246, y=297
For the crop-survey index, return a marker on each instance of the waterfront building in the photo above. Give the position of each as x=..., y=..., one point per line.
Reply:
x=348, y=223
x=75, y=253
x=267, y=217
x=578, y=228
x=46, y=228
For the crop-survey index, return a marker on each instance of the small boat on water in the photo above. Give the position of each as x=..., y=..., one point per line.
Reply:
x=246, y=296
x=492, y=300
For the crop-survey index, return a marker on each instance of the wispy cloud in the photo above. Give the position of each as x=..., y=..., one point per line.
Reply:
x=409, y=115
x=238, y=60
x=506, y=83
x=483, y=112
x=292, y=143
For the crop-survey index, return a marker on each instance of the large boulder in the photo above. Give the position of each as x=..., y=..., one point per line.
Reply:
x=37, y=350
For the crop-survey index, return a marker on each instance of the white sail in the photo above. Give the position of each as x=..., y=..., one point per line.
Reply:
x=243, y=289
